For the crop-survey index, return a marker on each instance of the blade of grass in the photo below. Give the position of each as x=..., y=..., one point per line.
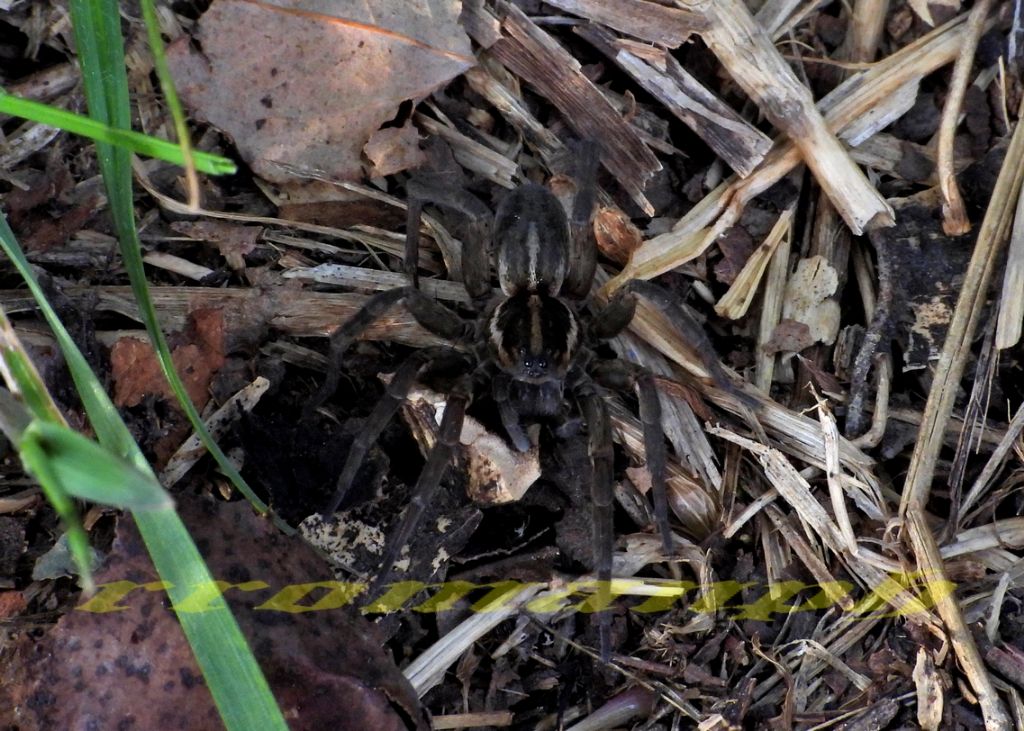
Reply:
x=128, y=139
x=163, y=72
x=236, y=683
x=101, y=56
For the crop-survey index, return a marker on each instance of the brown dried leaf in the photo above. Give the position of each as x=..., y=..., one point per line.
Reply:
x=232, y=240
x=789, y=336
x=394, y=149
x=929, y=691
x=308, y=83
x=133, y=667
x=137, y=373
x=617, y=237
x=809, y=298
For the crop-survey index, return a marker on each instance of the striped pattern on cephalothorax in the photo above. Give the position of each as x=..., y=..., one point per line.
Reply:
x=533, y=336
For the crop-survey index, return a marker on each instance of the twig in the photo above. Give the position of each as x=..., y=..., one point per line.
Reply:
x=954, y=221
x=930, y=567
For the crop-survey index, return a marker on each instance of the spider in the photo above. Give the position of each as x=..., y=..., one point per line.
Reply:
x=532, y=345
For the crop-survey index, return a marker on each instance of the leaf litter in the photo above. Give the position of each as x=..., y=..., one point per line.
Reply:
x=797, y=599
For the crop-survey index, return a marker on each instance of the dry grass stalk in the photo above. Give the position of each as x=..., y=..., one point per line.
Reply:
x=992, y=236
x=771, y=312
x=649, y=21
x=757, y=67
x=735, y=303
x=995, y=462
x=867, y=22
x=954, y=216
x=772, y=16
x=483, y=81
x=429, y=668
x=375, y=280
x=1011, y=301
x=930, y=568
x=192, y=449
x=471, y=154
x=844, y=106
x=292, y=312
x=741, y=145
x=536, y=57
x=496, y=719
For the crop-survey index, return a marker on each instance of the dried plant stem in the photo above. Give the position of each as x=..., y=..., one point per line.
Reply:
x=954, y=215
x=931, y=569
x=991, y=237
x=1011, y=302
x=850, y=101
x=757, y=67
x=866, y=25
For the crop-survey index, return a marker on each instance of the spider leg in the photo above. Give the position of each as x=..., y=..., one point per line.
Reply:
x=619, y=312
x=583, y=247
x=501, y=389
x=621, y=376
x=599, y=445
x=394, y=395
x=430, y=478
x=432, y=315
x=445, y=186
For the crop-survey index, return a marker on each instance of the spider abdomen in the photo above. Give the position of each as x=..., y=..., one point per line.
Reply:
x=534, y=337
x=531, y=237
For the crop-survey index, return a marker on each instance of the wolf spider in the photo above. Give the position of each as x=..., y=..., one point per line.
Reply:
x=532, y=345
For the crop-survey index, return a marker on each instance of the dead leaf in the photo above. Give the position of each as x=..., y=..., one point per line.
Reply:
x=307, y=84
x=233, y=241
x=137, y=373
x=12, y=603
x=929, y=691
x=394, y=149
x=789, y=336
x=617, y=237
x=133, y=668
x=809, y=298
x=736, y=246
x=496, y=472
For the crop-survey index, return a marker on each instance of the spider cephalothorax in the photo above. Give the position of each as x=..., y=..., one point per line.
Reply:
x=531, y=346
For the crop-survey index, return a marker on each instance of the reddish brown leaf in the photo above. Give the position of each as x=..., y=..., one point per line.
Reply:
x=137, y=373
x=232, y=240
x=133, y=668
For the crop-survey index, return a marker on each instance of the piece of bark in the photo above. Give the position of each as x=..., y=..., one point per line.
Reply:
x=732, y=138
x=531, y=53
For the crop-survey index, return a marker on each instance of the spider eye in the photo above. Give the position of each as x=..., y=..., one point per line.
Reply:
x=543, y=363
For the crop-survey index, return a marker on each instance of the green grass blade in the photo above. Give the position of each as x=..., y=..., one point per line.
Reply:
x=101, y=55
x=127, y=139
x=239, y=689
x=87, y=471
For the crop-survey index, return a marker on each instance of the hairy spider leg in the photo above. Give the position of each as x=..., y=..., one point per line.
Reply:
x=688, y=327
x=444, y=189
x=599, y=446
x=430, y=478
x=623, y=376
x=582, y=246
x=432, y=315
x=394, y=396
